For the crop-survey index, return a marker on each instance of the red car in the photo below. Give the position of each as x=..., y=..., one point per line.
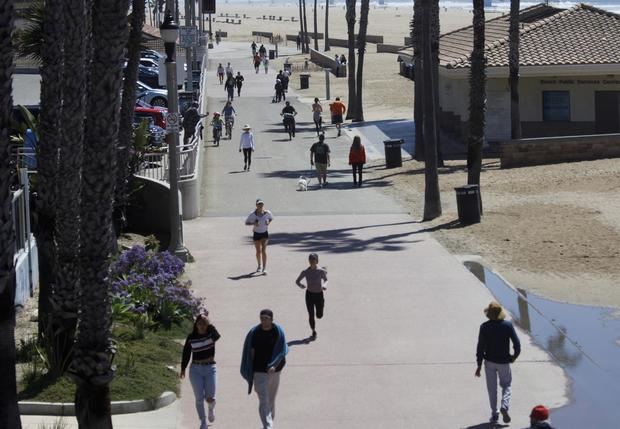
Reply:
x=156, y=114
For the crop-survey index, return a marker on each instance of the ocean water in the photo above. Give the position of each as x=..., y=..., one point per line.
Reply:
x=499, y=5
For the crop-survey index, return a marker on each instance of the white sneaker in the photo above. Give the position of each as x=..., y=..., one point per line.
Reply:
x=211, y=412
x=259, y=269
x=264, y=272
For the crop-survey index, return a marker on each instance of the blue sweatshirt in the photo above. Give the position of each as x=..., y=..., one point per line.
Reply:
x=494, y=342
x=279, y=352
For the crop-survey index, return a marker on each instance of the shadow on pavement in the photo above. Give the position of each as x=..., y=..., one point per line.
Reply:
x=343, y=240
x=303, y=341
x=487, y=425
x=245, y=276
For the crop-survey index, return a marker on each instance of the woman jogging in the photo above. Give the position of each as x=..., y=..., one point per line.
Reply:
x=316, y=281
x=200, y=347
x=357, y=159
x=260, y=219
x=246, y=144
x=317, y=109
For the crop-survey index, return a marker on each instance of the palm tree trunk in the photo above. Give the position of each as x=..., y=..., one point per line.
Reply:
x=350, y=16
x=477, y=97
x=513, y=65
x=361, y=50
x=326, y=35
x=301, y=27
x=47, y=156
x=9, y=412
x=125, y=130
x=435, y=32
x=316, y=29
x=67, y=233
x=92, y=364
x=432, y=201
x=418, y=78
x=306, y=39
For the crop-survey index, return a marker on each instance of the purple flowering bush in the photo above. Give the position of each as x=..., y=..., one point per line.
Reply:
x=146, y=286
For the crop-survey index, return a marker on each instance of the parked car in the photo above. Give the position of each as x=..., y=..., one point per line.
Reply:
x=150, y=63
x=147, y=75
x=154, y=97
x=156, y=114
x=154, y=55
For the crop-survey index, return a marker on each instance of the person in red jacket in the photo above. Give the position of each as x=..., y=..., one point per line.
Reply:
x=357, y=159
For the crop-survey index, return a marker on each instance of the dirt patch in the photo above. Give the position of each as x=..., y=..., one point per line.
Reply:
x=550, y=229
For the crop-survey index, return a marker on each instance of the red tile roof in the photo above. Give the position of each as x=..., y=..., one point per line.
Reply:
x=582, y=34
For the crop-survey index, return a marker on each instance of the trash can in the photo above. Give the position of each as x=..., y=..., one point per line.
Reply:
x=272, y=54
x=304, y=81
x=468, y=204
x=393, y=156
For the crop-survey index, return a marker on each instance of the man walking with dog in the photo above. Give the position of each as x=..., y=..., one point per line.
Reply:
x=319, y=158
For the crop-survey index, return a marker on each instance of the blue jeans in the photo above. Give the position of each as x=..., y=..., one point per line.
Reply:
x=202, y=379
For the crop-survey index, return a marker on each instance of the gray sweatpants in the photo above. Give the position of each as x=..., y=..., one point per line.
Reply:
x=266, y=387
x=493, y=371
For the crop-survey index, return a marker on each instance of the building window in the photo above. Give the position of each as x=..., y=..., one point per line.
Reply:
x=556, y=106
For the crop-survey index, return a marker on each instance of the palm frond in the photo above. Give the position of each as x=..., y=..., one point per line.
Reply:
x=29, y=40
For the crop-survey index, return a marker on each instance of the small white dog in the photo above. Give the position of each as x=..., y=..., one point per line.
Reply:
x=302, y=184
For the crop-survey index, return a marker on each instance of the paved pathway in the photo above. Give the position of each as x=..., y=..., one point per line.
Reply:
x=396, y=348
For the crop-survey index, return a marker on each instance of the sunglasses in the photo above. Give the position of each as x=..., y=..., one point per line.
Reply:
x=265, y=318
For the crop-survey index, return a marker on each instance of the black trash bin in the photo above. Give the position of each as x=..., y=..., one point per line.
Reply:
x=393, y=155
x=272, y=54
x=468, y=204
x=304, y=81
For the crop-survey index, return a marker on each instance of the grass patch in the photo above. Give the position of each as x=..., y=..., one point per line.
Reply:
x=141, y=369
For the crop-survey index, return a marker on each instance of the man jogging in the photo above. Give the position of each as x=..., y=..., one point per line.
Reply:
x=263, y=358
x=316, y=281
x=493, y=347
x=337, y=109
x=239, y=82
x=319, y=157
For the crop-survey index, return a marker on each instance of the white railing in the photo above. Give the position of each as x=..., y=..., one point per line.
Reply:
x=155, y=164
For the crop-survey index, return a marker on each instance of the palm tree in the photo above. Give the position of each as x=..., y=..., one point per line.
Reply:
x=128, y=101
x=432, y=201
x=361, y=50
x=92, y=368
x=301, y=27
x=418, y=77
x=326, y=35
x=350, y=16
x=435, y=33
x=513, y=65
x=67, y=232
x=47, y=156
x=316, y=29
x=9, y=414
x=306, y=39
x=477, y=97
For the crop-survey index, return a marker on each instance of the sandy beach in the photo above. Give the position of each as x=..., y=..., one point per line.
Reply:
x=552, y=230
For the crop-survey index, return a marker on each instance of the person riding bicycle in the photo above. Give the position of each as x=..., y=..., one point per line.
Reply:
x=288, y=113
x=217, y=125
x=229, y=112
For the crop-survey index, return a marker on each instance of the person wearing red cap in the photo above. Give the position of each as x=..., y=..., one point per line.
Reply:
x=539, y=418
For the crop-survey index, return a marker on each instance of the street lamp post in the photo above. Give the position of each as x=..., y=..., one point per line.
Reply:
x=169, y=30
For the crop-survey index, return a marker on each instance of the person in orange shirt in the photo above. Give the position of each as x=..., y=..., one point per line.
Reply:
x=357, y=159
x=337, y=109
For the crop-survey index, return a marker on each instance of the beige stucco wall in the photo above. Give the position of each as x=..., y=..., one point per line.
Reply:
x=582, y=89
x=454, y=97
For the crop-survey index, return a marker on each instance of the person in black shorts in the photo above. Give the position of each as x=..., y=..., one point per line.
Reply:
x=316, y=284
x=260, y=219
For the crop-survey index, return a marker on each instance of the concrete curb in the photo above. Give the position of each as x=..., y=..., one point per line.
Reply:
x=118, y=407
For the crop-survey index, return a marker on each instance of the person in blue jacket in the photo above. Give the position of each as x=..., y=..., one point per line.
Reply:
x=263, y=358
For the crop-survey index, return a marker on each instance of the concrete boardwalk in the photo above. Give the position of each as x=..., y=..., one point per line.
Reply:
x=396, y=348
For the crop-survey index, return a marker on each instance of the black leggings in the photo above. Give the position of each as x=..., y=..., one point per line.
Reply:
x=247, y=156
x=357, y=168
x=318, y=124
x=314, y=301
